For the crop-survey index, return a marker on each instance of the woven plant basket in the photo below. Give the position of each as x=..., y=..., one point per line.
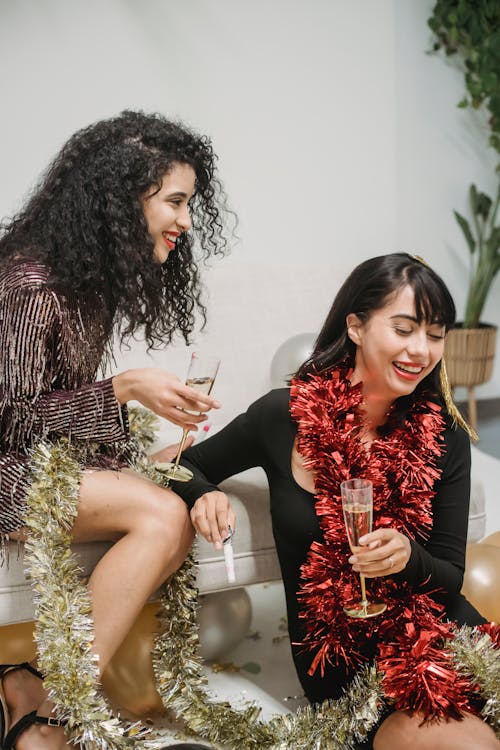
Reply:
x=469, y=354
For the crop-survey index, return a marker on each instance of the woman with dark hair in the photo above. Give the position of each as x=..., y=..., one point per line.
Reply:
x=369, y=403
x=108, y=243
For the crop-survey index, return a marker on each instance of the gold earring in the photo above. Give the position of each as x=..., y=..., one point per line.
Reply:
x=450, y=404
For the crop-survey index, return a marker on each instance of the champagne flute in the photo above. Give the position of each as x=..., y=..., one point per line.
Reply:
x=357, y=504
x=201, y=375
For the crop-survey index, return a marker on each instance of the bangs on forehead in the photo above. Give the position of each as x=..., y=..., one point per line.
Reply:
x=433, y=304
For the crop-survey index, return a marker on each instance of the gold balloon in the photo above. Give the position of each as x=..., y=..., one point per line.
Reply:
x=482, y=579
x=129, y=679
x=492, y=539
x=16, y=643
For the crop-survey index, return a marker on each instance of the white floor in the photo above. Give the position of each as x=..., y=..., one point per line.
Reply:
x=267, y=648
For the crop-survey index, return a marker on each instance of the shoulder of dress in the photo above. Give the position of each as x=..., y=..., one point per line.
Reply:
x=24, y=274
x=277, y=398
x=455, y=437
x=274, y=405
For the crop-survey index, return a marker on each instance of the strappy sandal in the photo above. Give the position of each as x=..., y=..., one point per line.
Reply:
x=9, y=736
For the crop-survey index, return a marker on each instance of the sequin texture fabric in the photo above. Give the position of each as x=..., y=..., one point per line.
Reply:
x=49, y=358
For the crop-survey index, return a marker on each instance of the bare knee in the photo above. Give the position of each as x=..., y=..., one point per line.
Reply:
x=159, y=508
x=402, y=730
x=115, y=504
x=163, y=519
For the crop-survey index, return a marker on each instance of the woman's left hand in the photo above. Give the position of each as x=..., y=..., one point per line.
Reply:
x=383, y=552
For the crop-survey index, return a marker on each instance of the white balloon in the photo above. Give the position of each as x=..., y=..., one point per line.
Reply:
x=289, y=356
x=224, y=620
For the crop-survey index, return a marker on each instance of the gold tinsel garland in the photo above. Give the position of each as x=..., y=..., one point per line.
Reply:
x=64, y=635
x=63, y=610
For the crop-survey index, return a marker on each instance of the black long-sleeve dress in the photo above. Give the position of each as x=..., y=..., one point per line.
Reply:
x=264, y=436
x=50, y=353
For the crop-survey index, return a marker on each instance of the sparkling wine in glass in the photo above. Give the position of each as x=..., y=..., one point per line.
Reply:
x=201, y=376
x=357, y=504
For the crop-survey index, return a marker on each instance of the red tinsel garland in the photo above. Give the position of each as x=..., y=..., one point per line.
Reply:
x=409, y=637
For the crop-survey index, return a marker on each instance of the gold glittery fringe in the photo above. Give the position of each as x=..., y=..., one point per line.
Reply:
x=64, y=636
x=63, y=612
x=446, y=391
x=450, y=404
x=475, y=658
x=182, y=685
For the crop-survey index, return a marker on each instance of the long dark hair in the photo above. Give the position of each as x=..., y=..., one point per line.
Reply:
x=85, y=221
x=367, y=289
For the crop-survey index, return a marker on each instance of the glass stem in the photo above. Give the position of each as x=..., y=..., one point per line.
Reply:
x=364, y=600
x=185, y=433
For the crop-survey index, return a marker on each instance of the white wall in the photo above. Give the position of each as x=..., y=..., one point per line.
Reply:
x=441, y=150
x=338, y=139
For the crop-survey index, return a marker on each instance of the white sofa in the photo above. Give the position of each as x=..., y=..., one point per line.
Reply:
x=254, y=551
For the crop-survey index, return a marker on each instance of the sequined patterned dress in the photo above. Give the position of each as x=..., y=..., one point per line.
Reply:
x=49, y=359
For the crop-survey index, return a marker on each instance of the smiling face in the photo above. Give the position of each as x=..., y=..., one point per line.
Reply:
x=167, y=210
x=394, y=352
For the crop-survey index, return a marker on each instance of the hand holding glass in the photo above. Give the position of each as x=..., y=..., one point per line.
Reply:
x=201, y=375
x=357, y=504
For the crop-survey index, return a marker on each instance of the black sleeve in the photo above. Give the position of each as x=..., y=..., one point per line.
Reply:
x=235, y=448
x=439, y=562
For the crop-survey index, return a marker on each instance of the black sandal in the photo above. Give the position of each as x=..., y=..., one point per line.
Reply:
x=27, y=721
x=9, y=736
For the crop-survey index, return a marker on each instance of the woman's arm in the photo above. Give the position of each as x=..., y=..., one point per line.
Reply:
x=439, y=562
x=29, y=343
x=235, y=448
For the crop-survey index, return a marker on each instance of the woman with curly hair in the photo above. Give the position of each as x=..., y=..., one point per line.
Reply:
x=106, y=244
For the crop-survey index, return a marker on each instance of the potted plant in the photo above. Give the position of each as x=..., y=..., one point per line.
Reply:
x=470, y=347
x=470, y=29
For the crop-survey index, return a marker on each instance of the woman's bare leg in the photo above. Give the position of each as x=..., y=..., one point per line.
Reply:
x=400, y=731
x=153, y=534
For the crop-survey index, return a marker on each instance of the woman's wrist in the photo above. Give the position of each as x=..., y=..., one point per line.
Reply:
x=123, y=386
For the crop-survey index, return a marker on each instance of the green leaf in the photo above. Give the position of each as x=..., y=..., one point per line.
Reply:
x=252, y=667
x=494, y=141
x=494, y=240
x=484, y=203
x=464, y=226
x=473, y=198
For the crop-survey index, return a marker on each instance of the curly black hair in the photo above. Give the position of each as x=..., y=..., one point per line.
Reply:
x=85, y=221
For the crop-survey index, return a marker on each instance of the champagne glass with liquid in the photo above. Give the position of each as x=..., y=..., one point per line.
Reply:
x=357, y=504
x=201, y=375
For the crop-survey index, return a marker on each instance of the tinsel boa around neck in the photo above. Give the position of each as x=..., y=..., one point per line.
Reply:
x=403, y=466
